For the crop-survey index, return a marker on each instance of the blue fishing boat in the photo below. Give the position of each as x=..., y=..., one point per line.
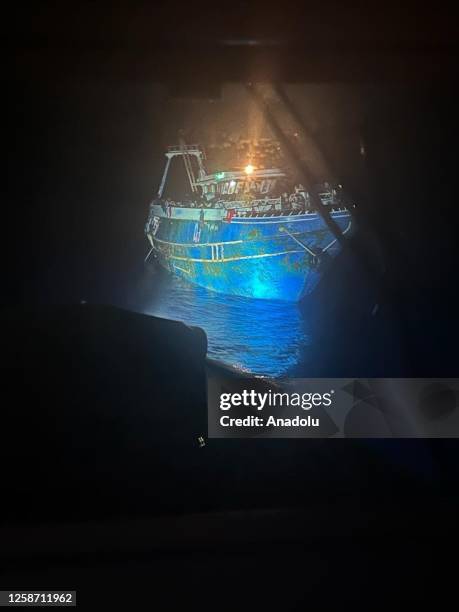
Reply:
x=245, y=231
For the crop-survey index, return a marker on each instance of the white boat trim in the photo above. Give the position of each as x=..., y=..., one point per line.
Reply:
x=198, y=244
x=225, y=260
x=261, y=221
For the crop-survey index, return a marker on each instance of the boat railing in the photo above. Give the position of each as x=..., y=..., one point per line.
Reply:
x=256, y=208
x=241, y=204
x=285, y=212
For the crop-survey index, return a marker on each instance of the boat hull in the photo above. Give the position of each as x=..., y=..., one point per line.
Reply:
x=269, y=256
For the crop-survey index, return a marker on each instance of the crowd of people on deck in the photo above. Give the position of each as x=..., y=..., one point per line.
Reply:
x=298, y=199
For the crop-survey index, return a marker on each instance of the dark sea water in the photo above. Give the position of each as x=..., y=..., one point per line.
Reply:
x=258, y=336
x=331, y=332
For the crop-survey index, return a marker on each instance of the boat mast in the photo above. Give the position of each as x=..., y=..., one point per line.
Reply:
x=163, y=180
x=185, y=151
x=188, y=166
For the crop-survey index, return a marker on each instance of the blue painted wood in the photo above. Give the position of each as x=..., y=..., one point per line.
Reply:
x=274, y=256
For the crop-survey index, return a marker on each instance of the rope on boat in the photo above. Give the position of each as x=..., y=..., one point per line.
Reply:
x=284, y=229
x=306, y=248
x=148, y=255
x=335, y=240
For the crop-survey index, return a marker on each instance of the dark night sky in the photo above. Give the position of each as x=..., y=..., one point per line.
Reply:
x=88, y=155
x=90, y=125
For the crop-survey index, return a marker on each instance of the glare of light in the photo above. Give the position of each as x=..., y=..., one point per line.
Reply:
x=220, y=175
x=232, y=183
x=249, y=169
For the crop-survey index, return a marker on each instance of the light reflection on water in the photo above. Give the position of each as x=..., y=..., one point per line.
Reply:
x=258, y=336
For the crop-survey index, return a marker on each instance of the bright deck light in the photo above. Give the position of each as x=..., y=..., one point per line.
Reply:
x=249, y=169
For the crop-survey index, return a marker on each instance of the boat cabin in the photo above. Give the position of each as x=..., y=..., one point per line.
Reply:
x=258, y=188
x=256, y=183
